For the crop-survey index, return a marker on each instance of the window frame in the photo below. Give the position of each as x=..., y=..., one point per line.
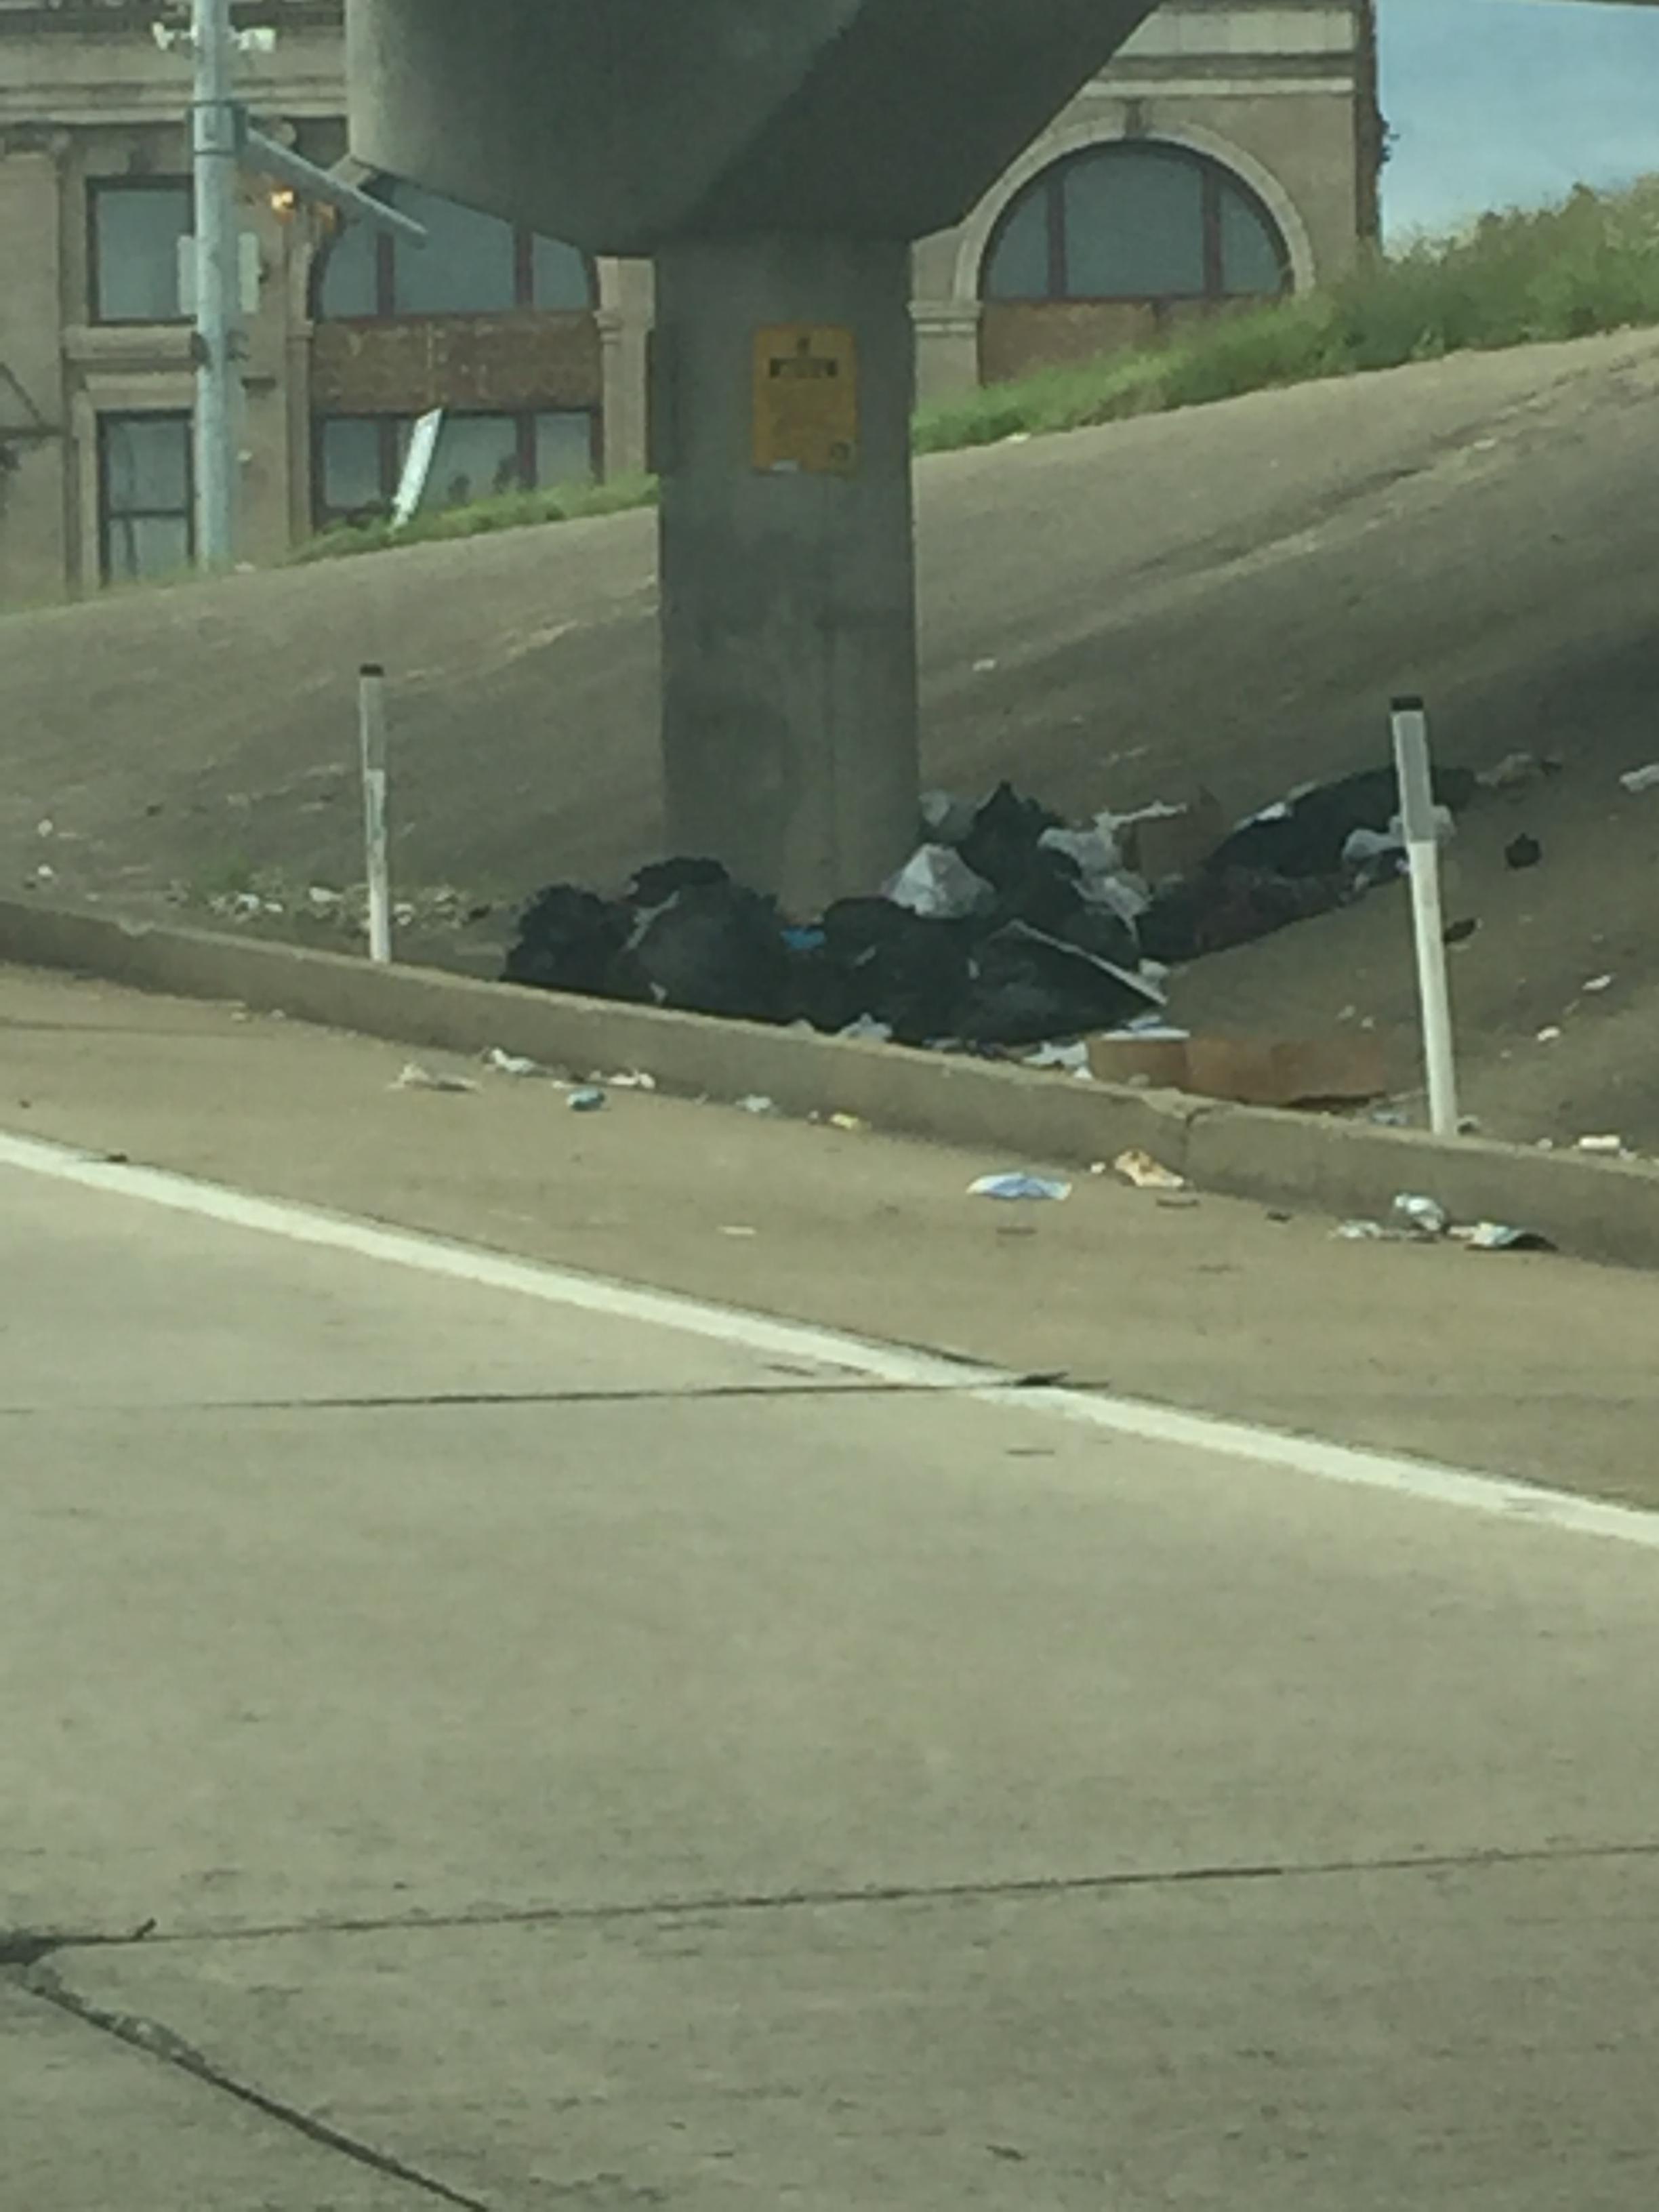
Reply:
x=97, y=189
x=386, y=309
x=524, y=420
x=1216, y=181
x=106, y=421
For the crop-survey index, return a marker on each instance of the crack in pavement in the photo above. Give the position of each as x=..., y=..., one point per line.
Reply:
x=440, y=1401
x=1034, y=1886
x=158, y=2042
x=25, y=1959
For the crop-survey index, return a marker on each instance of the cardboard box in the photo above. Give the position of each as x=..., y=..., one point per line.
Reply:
x=1172, y=841
x=1249, y=1071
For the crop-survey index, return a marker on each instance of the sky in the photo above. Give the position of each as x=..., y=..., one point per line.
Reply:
x=1504, y=103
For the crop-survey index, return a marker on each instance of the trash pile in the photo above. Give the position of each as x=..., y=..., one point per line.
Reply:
x=1007, y=927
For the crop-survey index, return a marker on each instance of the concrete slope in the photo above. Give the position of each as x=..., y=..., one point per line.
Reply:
x=1229, y=595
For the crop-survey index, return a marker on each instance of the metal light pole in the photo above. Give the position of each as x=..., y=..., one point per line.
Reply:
x=214, y=142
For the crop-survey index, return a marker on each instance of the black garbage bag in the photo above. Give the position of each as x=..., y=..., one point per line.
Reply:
x=1027, y=987
x=568, y=940
x=1305, y=837
x=1005, y=844
x=656, y=885
x=1235, y=906
x=891, y=965
x=1097, y=929
x=711, y=948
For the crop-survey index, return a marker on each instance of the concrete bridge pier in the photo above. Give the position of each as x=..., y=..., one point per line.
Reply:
x=785, y=382
x=777, y=158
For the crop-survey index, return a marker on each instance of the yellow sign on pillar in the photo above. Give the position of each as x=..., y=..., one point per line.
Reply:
x=806, y=400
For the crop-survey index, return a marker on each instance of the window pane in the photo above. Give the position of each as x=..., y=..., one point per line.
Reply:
x=150, y=545
x=564, y=449
x=1019, y=266
x=1134, y=226
x=136, y=235
x=351, y=465
x=559, y=276
x=478, y=456
x=146, y=463
x=351, y=283
x=1250, y=257
x=467, y=266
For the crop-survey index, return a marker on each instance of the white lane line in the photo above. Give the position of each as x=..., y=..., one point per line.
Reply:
x=796, y=1340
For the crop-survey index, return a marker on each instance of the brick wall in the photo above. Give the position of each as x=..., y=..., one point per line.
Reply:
x=490, y=364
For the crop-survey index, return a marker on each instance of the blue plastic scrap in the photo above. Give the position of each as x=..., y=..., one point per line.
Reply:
x=1019, y=1187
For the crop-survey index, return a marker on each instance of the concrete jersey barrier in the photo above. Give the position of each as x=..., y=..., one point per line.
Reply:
x=1594, y=1208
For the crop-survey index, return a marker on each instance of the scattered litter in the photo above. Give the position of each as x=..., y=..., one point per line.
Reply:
x=938, y=885
x=1178, y=1205
x=1459, y=932
x=1423, y=1218
x=1613, y=1146
x=1523, y=852
x=865, y=1031
x=1513, y=773
x=1641, y=779
x=1499, y=1236
x=848, y=1122
x=1374, y=853
x=403, y=914
x=737, y=1231
x=586, y=1101
x=321, y=900
x=1147, y=1174
x=984, y=667
x=1073, y=1058
x=756, y=1102
x=1279, y=1218
x=1599, y=983
x=44, y=874
x=1550, y=1036
x=45, y=828
x=416, y=1078
x=1365, y=1233
x=631, y=1078
x=513, y=1063
x=1389, y=1117
x=1019, y=1187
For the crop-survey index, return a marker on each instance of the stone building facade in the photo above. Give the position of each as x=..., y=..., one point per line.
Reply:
x=1231, y=152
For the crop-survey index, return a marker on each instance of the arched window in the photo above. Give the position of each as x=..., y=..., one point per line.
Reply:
x=1136, y=222
x=471, y=265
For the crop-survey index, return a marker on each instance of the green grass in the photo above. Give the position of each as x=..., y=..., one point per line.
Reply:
x=573, y=502
x=1589, y=264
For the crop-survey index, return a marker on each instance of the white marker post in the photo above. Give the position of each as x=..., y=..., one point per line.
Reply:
x=1417, y=814
x=371, y=699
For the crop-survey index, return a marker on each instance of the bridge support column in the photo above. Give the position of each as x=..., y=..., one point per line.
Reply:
x=784, y=386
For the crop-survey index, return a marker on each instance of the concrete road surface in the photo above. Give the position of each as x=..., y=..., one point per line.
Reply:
x=572, y=1750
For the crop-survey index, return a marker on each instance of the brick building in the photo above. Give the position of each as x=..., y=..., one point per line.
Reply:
x=1231, y=152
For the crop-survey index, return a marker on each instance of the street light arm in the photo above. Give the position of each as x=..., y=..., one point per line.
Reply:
x=272, y=159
